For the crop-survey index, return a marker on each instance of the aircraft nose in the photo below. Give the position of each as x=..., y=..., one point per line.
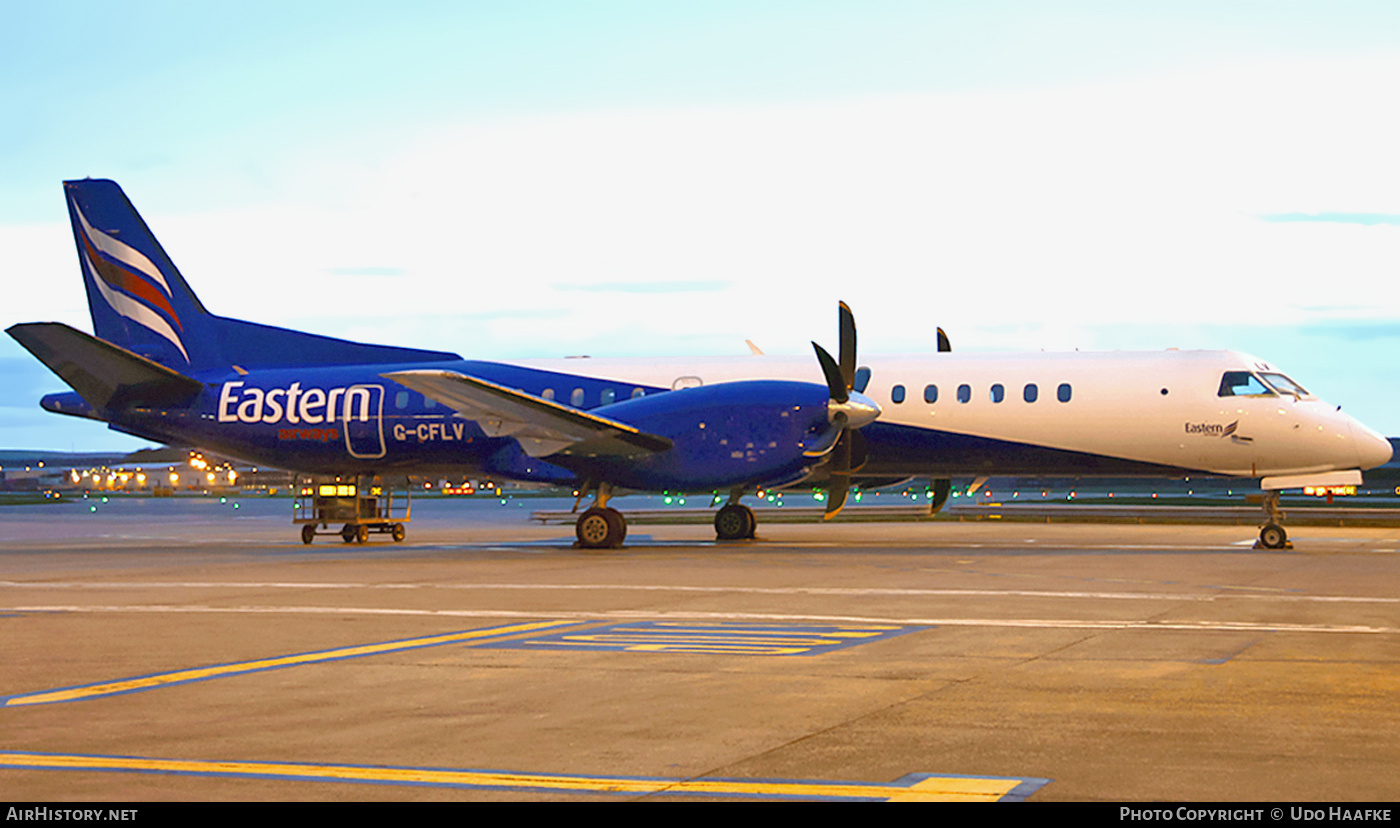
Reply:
x=1372, y=449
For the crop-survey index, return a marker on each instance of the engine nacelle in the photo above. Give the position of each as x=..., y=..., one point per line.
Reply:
x=729, y=434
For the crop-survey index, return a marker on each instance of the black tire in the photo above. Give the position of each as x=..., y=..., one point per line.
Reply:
x=1272, y=536
x=347, y=533
x=399, y=533
x=361, y=533
x=734, y=522
x=600, y=529
x=308, y=533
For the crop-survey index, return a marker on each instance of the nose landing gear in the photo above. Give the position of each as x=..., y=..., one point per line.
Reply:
x=1272, y=534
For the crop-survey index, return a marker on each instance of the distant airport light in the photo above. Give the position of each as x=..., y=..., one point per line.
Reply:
x=1324, y=491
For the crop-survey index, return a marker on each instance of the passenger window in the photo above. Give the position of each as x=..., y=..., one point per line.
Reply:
x=964, y=393
x=576, y=398
x=862, y=379
x=930, y=393
x=429, y=403
x=1031, y=394
x=638, y=392
x=1242, y=384
x=998, y=393
x=1063, y=392
x=897, y=394
x=400, y=400
x=608, y=396
x=547, y=393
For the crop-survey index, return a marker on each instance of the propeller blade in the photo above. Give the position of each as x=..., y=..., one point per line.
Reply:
x=859, y=452
x=941, y=488
x=834, y=382
x=840, y=482
x=847, y=344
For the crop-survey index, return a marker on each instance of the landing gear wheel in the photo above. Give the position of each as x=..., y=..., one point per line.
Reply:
x=735, y=522
x=600, y=528
x=1272, y=536
x=347, y=533
x=361, y=533
x=308, y=532
x=398, y=532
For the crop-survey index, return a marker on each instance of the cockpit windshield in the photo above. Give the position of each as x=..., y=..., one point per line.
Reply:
x=1243, y=384
x=1284, y=385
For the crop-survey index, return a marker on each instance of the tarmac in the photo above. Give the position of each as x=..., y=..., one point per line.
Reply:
x=191, y=649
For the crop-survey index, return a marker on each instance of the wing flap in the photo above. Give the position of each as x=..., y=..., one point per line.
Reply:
x=542, y=426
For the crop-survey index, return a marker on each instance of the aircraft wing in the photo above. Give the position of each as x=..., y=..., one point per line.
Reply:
x=542, y=426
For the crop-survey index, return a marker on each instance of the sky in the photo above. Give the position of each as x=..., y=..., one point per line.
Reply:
x=536, y=179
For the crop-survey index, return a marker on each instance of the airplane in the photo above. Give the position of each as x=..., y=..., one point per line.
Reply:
x=164, y=368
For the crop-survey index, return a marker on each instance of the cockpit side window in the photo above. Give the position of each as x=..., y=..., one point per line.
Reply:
x=1243, y=384
x=1284, y=385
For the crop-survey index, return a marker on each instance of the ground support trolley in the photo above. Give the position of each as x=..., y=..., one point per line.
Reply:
x=361, y=504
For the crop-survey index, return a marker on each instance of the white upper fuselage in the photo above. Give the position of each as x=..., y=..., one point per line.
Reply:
x=1162, y=407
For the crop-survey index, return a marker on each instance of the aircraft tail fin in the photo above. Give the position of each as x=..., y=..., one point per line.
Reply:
x=138, y=299
x=140, y=302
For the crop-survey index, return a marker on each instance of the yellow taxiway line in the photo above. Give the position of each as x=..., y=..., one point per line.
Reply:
x=130, y=685
x=914, y=788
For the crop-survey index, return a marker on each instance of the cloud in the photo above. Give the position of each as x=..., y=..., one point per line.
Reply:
x=1358, y=331
x=366, y=271
x=1092, y=215
x=1335, y=218
x=644, y=287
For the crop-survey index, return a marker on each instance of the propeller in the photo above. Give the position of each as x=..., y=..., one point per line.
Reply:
x=942, y=485
x=848, y=411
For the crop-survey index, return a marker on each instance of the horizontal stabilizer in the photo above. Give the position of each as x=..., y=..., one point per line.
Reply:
x=104, y=375
x=542, y=426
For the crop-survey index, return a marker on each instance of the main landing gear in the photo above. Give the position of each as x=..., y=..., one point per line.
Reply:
x=1272, y=534
x=734, y=520
x=603, y=527
x=600, y=526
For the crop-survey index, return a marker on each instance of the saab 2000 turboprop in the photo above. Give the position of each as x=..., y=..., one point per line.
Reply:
x=163, y=368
